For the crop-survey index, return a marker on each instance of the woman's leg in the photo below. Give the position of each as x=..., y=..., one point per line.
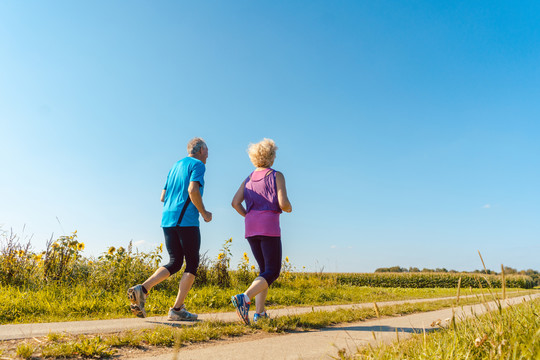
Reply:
x=267, y=252
x=259, y=284
x=260, y=300
x=271, y=248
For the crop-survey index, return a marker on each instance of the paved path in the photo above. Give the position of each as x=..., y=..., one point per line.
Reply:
x=22, y=331
x=324, y=344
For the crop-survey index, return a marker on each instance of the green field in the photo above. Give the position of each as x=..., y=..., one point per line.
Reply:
x=60, y=284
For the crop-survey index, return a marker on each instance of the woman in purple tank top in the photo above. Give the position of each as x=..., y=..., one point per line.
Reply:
x=265, y=196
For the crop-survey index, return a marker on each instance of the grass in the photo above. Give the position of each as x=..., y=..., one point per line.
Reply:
x=85, y=347
x=63, y=303
x=24, y=351
x=103, y=346
x=509, y=333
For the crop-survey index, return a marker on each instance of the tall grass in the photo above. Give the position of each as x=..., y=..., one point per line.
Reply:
x=60, y=284
x=509, y=333
x=62, y=263
x=79, y=302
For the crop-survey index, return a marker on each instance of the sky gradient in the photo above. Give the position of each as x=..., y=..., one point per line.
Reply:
x=408, y=133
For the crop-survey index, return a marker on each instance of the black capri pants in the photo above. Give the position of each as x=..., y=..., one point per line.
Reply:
x=182, y=242
x=267, y=252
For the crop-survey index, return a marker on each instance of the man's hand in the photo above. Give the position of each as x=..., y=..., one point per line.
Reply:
x=207, y=216
x=196, y=199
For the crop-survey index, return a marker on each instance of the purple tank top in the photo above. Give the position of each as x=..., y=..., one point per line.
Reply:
x=262, y=206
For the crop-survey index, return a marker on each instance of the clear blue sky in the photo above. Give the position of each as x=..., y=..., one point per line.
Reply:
x=408, y=132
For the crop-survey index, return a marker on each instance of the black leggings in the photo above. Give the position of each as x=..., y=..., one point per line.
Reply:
x=267, y=252
x=182, y=242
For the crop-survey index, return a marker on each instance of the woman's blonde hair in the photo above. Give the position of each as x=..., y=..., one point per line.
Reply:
x=263, y=153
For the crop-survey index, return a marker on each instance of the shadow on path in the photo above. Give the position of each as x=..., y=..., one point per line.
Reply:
x=176, y=324
x=380, y=328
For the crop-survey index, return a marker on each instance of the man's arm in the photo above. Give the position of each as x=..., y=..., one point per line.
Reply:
x=163, y=195
x=196, y=198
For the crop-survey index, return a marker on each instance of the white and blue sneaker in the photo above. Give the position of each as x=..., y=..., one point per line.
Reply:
x=242, y=307
x=137, y=297
x=258, y=316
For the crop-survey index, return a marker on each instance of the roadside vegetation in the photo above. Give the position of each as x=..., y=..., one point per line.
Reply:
x=60, y=284
x=57, y=345
x=508, y=333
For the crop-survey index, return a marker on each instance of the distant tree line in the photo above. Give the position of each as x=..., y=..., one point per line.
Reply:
x=400, y=269
x=534, y=274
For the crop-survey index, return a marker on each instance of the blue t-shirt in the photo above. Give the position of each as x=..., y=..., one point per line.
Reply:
x=176, y=192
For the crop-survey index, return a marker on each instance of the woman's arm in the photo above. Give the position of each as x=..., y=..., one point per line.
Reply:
x=283, y=200
x=237, y=200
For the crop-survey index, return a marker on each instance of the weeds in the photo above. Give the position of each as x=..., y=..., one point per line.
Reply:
x=105, y=346
x=17, y=262
x=221, y=265
x=61, y=284
x=25, y=351
x=86, y=347
x=510, y=333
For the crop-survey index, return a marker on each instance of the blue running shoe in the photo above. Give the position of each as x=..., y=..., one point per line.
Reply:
x=257, y=316
x=242, y=307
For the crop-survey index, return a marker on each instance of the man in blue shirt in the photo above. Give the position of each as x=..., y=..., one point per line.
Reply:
x=182, y=198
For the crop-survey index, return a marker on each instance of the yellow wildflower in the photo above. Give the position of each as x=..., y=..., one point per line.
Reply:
x=55, y=245
x=252, y=267
x=80, y=246
x=221, y=256
x=111, y=250
x=286, y=259
x=161, y=247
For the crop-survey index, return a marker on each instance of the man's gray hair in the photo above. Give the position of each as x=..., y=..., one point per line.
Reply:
x=195, y=145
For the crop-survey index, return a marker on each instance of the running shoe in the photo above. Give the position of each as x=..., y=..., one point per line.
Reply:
x=242, y=307
x=181, y=315
x=137, y=297
x=257, y=316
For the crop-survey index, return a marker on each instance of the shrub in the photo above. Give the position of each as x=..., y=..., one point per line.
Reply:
x=18, y=265
x=220, y=269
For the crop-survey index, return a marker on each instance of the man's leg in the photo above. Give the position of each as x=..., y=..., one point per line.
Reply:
x=161, y=274
x=185, y=285
x=190, y=240
x=138, y=293
x=176, y=256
